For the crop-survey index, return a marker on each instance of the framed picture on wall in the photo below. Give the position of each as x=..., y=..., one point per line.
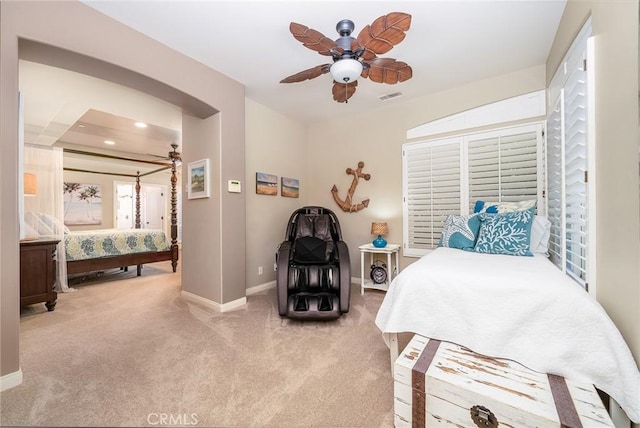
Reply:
x=290, y=187
x=266, y=184
x=198, y=179
x=82, y=204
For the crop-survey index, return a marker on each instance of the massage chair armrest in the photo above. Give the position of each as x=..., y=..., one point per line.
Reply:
x=283, y=254
x=342, y=253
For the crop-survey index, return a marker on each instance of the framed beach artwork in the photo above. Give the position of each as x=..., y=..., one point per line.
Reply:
x=82, y=204
x=266, y=184
x=290, y=187
x=198, y=179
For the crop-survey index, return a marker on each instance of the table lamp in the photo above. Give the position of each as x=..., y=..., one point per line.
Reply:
x=30, y=184
x=380, y=229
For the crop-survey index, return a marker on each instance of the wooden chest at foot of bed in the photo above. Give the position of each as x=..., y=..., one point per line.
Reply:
x=442, y=384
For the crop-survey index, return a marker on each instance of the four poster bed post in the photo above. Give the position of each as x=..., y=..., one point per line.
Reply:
x=136, y=258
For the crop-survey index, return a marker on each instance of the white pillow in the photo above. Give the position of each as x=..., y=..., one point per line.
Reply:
x=540, y=233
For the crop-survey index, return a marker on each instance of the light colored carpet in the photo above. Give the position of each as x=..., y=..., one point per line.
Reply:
x=132, y=352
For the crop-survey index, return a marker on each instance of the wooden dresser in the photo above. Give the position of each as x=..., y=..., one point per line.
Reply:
x=38, y=272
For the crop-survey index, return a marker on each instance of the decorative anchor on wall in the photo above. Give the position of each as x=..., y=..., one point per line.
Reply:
x=347, y=204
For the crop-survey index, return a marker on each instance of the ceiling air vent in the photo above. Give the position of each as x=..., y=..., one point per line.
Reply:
x=390, y=96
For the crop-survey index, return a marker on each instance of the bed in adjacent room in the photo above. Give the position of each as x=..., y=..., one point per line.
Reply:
x=96, y=250
x=518, y=307
x=91, y=250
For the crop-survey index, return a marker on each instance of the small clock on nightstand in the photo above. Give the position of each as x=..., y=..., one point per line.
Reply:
x=379, y=272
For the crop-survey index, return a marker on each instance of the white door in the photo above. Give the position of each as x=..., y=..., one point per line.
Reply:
x=152, y=206
x=124, y=206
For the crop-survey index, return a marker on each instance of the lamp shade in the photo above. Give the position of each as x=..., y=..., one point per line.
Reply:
x=346, y=70
x=30, y=184
x=379, y=228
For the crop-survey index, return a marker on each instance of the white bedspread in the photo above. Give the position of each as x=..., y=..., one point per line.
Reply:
x=519, y=308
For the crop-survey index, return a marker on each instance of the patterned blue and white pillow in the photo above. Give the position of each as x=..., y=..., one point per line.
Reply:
x=508, y=233
x=460, y=231
x=502, y=207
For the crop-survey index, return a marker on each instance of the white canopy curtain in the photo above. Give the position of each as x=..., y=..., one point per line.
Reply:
x=44, y=212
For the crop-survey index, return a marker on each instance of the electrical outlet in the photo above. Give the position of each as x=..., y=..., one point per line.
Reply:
x=259, y=270
x=275, y=267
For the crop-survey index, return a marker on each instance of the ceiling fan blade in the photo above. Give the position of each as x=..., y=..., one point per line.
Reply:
x=387, y=70
x=157, y=156
x=314, y=40
x=342, y=92
x=308, y=74
x=383, y=34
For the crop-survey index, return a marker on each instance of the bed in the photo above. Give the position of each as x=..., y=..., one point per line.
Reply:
x=521, y=308
x=96, y=250
x=93, y=250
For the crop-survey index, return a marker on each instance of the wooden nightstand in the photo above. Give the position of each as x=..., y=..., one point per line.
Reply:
x=38, y=272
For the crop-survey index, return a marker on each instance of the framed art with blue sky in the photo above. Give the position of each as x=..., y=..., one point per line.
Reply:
x=198, y=179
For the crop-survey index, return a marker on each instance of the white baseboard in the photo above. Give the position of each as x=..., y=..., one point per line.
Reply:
x=224, y=307
x=355, y=280
x=261, y=287
x=10, y=380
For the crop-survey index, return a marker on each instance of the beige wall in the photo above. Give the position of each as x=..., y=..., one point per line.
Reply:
x=376, y=139
x=130, y=55
x=615, y=30
x=275, y=145
x=204, y=253
x=9, y=255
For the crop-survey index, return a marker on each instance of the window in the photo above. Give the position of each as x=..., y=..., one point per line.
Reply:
x=447, y=176
x=567, y=162
x=432, y=189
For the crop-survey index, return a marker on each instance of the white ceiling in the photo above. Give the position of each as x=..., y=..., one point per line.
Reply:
x=67, y=108
x=450, y=43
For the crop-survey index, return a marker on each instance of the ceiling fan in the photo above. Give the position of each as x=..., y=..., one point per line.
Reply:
x=173, y=155
x=353, y=57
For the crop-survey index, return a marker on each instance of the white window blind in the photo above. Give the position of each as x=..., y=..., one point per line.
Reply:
x=567, y=163
x=443, y=177
x=575, y=158
x=504, y=167
x=432, y=190
x=555, y=184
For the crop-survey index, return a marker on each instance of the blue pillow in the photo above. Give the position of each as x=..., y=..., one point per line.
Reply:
x=502, y=207
x=460, y=231
x=508, y=233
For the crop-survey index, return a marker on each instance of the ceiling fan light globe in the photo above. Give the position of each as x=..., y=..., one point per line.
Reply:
x=346, y=70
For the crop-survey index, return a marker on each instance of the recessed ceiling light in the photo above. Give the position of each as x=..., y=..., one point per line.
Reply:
x=109, y=142
x=80, y=125
x=141, y=125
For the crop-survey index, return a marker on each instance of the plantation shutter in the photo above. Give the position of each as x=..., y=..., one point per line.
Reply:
x=567, y=162
x=431, y=192
x=575, y=160
x=504, y=167
x=555, y=184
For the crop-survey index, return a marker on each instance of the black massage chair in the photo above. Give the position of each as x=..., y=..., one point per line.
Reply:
x=314, y=271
